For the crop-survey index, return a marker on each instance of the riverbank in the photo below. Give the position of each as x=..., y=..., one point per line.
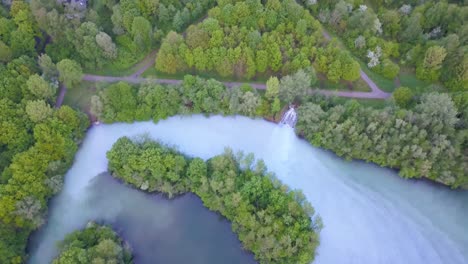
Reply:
x=374, y=201
x=351, y=130
x=253, y=200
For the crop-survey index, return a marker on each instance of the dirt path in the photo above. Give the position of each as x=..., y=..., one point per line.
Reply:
x=145, y=64
x=63, y=91
x=375, y=94
x=326, y=35
x=141, y=67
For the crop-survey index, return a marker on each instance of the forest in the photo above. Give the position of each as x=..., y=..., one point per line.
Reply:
x=37, y=146
x=123, y=103
x=104, y=33
x=243, y=39
x=429, y=38
x=94, y=244
x=277, y=224
x=428, y=140
x=47, y=47
x=37, y=140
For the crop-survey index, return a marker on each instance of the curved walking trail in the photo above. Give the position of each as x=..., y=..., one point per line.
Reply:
x=375, y=93
x=59, y=101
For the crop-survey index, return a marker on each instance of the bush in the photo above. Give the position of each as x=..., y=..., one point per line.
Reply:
x=403, y=96
x=94, y=244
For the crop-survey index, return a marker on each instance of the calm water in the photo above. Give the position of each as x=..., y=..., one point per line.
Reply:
x=370, y=214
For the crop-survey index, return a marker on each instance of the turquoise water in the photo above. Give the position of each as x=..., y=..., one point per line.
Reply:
x=370, y=214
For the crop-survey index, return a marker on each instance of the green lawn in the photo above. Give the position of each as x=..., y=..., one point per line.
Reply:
x=113, y=70
x=408, y=79
x=382, y=82
x=80, y=96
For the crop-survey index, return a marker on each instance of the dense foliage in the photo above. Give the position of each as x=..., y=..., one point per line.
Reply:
x=95, y=33
x=424, y=137
x=429, y=140
x=123, y=103
x=37, y=142
x=94, y=244
x=247, y=38
x=271, y=221
x=46, y=44
x=430, y=36
x=37, y=145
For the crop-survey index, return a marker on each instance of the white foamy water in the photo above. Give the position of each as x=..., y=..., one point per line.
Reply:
x=370, y=214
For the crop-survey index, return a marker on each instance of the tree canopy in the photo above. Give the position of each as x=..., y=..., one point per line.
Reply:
x=94, y=244
x=242, y=191
x=428, y=36
x=70, y=72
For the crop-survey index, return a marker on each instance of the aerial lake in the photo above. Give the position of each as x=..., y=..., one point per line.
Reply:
x=370, y=214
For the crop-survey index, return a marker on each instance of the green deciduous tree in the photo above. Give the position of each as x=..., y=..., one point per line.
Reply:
x=434, y=57
x=272, y=88
x=105, y=42
x=294, y=87
x=38, y=110
x=48, y=68
x=22, y=43
x=335, y=71
x=142, y=33
x=262, y=60
x=40, y=88
x=233, y=185
x=119, y=102
x=6, y=53
x=350, y=68
x=429, y=69
x=95, y=244
x=403, y=96
x=389, y=69
x=70, y=72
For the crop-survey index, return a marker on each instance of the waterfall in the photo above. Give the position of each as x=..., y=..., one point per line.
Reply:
x=284, y=135
x=290, y=117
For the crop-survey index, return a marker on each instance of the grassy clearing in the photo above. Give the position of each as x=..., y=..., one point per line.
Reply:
x=382, y=82
x=408, y=79
x=80, y=96
x=325, y=84
x=118, y=70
